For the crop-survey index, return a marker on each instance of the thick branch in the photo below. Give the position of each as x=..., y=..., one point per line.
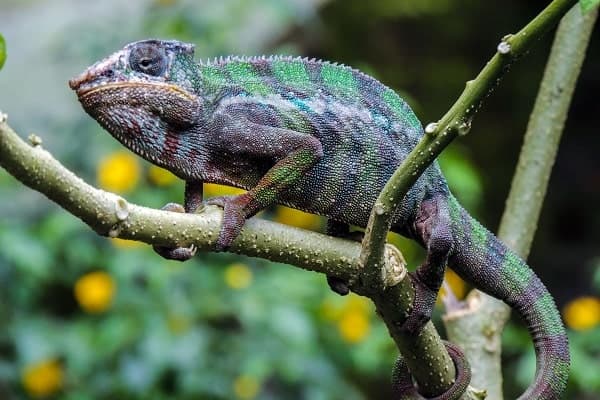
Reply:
x=529, y=185
x=457, y=121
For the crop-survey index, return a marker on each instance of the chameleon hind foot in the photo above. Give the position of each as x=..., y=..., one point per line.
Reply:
x=175, y=253
x=423, y=304
x=404, y=388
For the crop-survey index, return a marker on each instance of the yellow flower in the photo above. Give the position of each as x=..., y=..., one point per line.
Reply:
x=352, y=316
x=42, y=378
x=354, y=326
x=118, y=172
x=334, y=308
x=126, y=244
x=330, y=311
x=582, y=313
x=358, y=303
x=160, y=176
x=458, y=286
x=297, y=218
x=95, y=291
x=246, y=387
x=213, y=190
x=238, y=276
x=178, y=323
x=165, y=3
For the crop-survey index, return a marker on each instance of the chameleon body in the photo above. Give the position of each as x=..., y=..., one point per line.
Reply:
x=319, y=137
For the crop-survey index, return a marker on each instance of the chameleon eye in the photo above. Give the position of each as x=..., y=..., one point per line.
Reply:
x=148, y=59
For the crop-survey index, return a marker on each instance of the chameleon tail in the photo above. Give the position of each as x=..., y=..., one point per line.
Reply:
x=485, y=262
x=404, y=389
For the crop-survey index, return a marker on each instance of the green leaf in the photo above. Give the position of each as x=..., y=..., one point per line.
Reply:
x=2, y=51
x=588, y=5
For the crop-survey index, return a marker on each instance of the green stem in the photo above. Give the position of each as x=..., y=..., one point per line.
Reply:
x=457, y=121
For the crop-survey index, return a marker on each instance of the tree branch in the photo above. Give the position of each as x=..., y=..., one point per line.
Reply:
x=529, y=185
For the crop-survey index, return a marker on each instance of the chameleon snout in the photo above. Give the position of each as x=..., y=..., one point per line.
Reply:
x=77, y=81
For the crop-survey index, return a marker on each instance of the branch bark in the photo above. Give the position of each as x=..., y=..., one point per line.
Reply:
x=484, y=314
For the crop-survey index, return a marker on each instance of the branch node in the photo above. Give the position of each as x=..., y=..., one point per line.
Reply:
x=115, y=231
x=34, y=140
x=431, y=127
x=504, y=47
x=379, y=208
x=464, y=127
x=121, y=208
x=394, y=266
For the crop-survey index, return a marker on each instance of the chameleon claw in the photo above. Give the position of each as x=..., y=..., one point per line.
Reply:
x=176, y=253
x=234, y=218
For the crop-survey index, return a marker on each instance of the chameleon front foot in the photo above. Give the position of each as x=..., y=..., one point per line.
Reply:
x=175, y=253
x=341, y=230
x=234, y=217
x=404, y=388
x=338, y=285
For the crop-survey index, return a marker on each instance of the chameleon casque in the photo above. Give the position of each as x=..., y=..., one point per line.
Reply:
x=318, y=137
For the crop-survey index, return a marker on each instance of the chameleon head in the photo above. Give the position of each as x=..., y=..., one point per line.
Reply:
x=143, y=94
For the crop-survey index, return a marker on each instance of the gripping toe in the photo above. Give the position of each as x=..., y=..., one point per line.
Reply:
x=175, y=253
x=423, y=304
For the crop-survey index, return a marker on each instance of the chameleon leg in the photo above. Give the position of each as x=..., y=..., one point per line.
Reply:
x=403, y=386
x=192, y=199
x=338, y=229
x=294, y=154
x=433, y=225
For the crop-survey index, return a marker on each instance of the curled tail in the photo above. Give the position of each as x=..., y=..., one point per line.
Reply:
x=485, y=262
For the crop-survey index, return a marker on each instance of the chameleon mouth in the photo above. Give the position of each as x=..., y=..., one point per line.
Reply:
x=85, y=91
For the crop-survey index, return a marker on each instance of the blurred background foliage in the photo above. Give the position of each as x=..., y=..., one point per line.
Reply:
x=86, y=317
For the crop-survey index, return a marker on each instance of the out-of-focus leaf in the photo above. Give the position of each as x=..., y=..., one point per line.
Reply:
x=596, y=276
x=462, y=177
x=588, y=5
x=32, y=258
x=2, y=51
x=585, y=361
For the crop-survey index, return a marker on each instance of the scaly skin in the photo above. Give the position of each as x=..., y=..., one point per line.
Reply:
x=319, y=137
x=403, y=385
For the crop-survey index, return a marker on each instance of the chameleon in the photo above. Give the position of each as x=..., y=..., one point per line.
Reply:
x=319, y=137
